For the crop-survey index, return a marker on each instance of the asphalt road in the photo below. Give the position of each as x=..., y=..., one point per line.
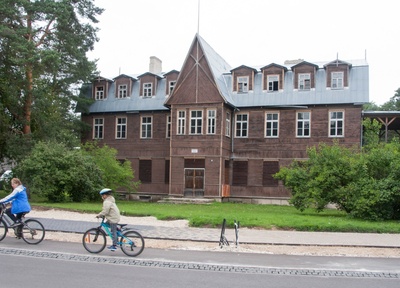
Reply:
x=211, y=261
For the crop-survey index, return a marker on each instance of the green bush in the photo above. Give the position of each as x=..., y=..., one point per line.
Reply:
x=363, y=184
x=60, y=174
x=116, y=175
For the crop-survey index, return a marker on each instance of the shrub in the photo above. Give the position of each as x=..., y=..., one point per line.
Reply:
x=60, y=174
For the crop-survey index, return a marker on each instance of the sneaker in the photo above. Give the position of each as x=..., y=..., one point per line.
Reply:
x=112, y=248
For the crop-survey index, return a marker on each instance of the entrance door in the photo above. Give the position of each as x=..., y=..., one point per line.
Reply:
x=194, y=182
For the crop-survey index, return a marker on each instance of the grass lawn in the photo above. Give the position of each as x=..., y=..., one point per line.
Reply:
x=249, y=215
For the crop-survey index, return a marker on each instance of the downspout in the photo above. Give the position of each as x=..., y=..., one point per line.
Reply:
x=221, y=161
x=362, y=129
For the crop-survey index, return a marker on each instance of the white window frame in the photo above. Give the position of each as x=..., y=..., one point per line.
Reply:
x=211, y=121
x=271, y=124
x=243, y=84
x=122, y=91
x=146, y=127
x=303, y=124
x=168, y=128
x=196, y=122
x=120, y=129
x=99, y=93
x=304, y=81
x=336, y=123
x=171, y=86
x=271, y=79
x=228, y=124
x=98, y=128
x=242, y=125
x=147, y=89
x=181, y=123
x=337, y=80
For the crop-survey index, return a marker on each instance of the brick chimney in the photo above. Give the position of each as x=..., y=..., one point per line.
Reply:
x=155, y=66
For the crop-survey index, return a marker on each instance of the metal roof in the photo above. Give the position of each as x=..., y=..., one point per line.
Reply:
x=357, y=91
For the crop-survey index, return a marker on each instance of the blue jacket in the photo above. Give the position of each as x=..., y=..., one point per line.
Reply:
x=19, y=200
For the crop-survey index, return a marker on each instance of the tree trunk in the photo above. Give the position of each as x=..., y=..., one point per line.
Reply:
x=28, y=101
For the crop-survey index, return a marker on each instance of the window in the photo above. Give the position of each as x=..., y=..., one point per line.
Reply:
x=228, y=124
x=211, y=118
x=147, y=89
x=303, y=124
x=121, y=128
x=273, y=83
x=241, y=125
x=168, y=128
x=98, y=128
x=243, y=84
x=271, y=124
x=304, y=81
x=145, y=171
x=269, y=169
x=181, y=122
x=171, y=86
x=196, y=122
x=336, y=122
x=146, y=127
x=239, y=173
x=337, y=80
x=99, y=93
x=122, y=91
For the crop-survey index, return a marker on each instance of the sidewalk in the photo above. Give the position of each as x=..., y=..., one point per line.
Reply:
x=246, y=236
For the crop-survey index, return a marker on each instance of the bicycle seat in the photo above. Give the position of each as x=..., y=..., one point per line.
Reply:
x=122, y=225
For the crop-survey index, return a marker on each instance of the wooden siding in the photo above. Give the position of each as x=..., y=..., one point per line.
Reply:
x=337, y=68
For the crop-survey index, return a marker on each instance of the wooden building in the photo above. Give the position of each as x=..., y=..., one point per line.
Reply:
x=220, y=132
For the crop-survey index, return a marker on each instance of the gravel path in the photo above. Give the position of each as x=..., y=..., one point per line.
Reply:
x=206, y=246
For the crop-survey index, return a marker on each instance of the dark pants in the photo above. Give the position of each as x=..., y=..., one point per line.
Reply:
x=16, y=217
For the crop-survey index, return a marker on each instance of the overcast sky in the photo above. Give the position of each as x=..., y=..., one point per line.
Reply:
x=253, y=33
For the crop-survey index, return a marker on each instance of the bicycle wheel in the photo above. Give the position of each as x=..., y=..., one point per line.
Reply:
x=33, y=231
x=3, y=229
x=94, y=240
x=132, y=243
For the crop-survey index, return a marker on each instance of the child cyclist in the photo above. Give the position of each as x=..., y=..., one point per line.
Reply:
x=111, y=213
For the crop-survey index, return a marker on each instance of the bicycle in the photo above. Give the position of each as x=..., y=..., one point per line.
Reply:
x=32, y=231
x=130, y=241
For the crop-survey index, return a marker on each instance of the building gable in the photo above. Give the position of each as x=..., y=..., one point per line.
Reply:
x=196, y=83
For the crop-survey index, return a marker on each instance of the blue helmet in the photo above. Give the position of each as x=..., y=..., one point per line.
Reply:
x=105, y=191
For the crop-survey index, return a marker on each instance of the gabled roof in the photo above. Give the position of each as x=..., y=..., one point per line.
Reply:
x=246, y=67
x=171, y=72
x=219, y=67
x=274, y=65
x=100, y=78
x=337, y=62
x=305, y=63
x=219, y=73
x=125, y=76
x=149, y=74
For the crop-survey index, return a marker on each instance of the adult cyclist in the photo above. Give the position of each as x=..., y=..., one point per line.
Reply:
x=19, y=204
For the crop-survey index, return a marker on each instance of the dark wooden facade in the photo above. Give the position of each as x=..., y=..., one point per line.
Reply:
x=202, y=143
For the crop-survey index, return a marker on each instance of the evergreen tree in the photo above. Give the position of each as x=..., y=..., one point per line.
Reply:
x=43, y=46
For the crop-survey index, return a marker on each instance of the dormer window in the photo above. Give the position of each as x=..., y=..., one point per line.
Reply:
x=147, y=89
x=171, y=86
x=273, y=83
x=243, y=84
x=337, y=80
x=304, y=81
x=99, y=93
x=122, y=91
